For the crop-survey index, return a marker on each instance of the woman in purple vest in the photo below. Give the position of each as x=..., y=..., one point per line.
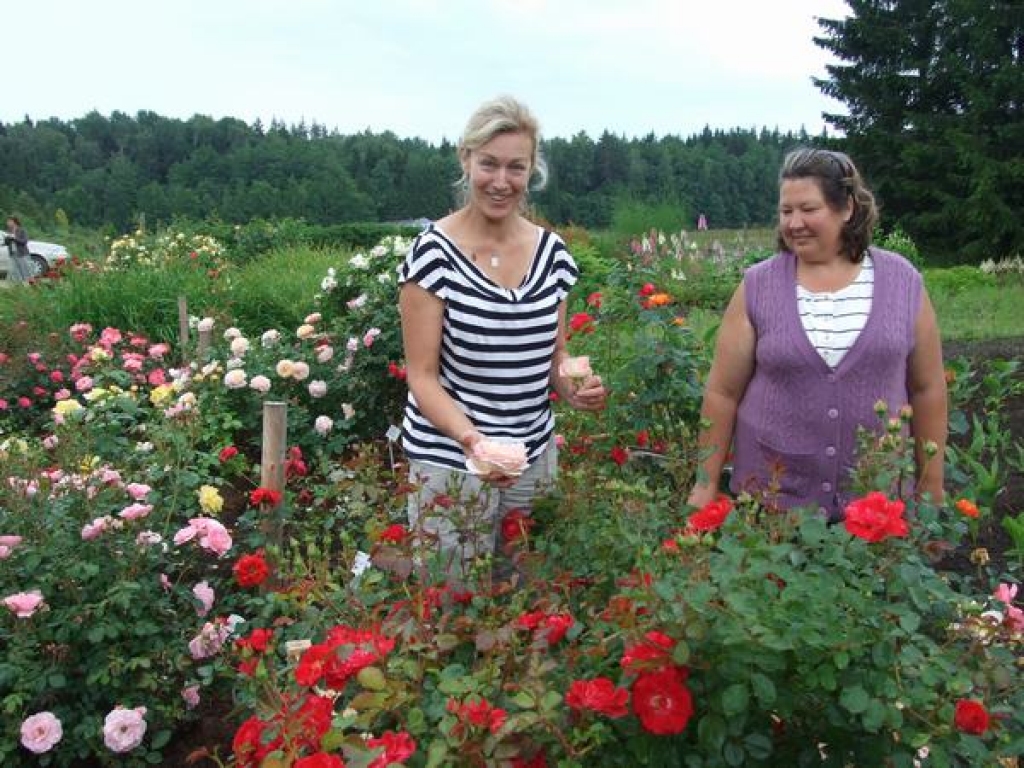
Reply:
x=812, y=339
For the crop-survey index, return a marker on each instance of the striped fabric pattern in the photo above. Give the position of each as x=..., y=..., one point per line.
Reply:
x=496, y=344
x=833, y=321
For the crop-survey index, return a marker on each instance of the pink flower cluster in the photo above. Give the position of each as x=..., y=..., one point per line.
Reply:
x=211, y=535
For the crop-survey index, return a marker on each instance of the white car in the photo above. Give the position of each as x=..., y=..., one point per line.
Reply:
x=43, y=257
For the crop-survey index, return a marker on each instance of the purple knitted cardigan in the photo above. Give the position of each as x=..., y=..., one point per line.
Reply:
x=797, y=422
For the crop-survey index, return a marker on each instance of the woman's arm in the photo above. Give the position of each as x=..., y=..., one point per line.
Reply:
x=422, y=319
x=730, y=373
x=926, y=385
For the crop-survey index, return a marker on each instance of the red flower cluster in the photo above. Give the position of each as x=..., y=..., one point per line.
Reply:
x=478, y=713
x=598, y=695
x=319, y=760
x=874, y=518
x=227, y=453
x=647, y=289
x=344, y=652
x=398, y=747
x=394, y=534
x=294, y=466
x=299, y=726
x=251, y=570
x=516, y=525
x=971, y=717
x=710, y=517
x=652, y=653
x=252, y=648
x=551, y=626
x=396, y=371
x=594, y=300
x=619, y=455
x=582, y=322
x=261, y=496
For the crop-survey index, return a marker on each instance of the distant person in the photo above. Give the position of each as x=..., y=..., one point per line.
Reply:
x=16, y=240
x=483, y=307
x=812, y=339
x=702, y=222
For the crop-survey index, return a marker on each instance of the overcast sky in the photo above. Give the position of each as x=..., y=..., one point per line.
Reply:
x=419, y=67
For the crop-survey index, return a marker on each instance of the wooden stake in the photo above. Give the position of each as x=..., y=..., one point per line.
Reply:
x=183, y=329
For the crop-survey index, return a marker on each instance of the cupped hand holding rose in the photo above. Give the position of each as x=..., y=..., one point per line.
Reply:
x=586, y=391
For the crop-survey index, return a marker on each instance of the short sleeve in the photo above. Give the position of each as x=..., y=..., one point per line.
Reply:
x=564, y=269
x=427, y=265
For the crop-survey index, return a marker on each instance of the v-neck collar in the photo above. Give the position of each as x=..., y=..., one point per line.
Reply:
x=513, y=293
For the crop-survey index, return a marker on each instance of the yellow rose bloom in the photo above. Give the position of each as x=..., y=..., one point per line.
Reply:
x=210, y=500
x=161, y=394
x=65, y=407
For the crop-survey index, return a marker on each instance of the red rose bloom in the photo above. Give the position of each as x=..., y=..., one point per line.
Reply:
x=248, y=743
x=251, y=570
x=711, y=516
x=555, y=626
x=398, y=747
x=395, y=534
x=971, y=717
x=598, y=695
x=647, y=289
x=319, y=760
x=619, y=455
x=662, y=703
x=874, y=518
x=594, y=300
x=581, y=322
x=654, y=652
x=266, y=496
x=516, y=525
x=228, y=453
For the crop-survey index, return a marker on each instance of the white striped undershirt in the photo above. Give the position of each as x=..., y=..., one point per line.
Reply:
x=834, y=320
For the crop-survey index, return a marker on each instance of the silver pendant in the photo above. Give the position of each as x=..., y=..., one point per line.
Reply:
x=495, y=260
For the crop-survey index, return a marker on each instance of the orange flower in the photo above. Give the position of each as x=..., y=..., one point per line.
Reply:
x=967, y=508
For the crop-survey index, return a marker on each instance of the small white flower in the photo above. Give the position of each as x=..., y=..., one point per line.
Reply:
x=361, y=563
x=231, y=334
x=206, y=324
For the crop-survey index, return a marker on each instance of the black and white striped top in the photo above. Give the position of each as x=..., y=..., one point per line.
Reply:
x=496, y=344
x=833, y=321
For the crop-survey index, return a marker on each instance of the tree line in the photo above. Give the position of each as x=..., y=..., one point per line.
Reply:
x=102, y=170
x=934, y=92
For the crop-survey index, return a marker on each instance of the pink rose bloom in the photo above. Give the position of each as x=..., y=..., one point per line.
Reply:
x=212, y=535
x=4, y=358
x=135, y=511
x=24, y=402
x=185, y=535
x=317, y=388
x=324, y=353
x=575, y=367
x=110, y=476
x=95, y=529
x=56, y=377
x=60, y=394
x=40, y=732
x=148, y=538
x=34, y=357
x=3, y=404
x=315, y=317
x=165, y=582
x=209, y=641
x=370, y=336
x=559, y=441
x=50, y=442
x=7, y=545
x=261, y=384
x=110, y=336
x=190, y=694
x=1014, y=618
x=123, y=729
x=138, y=491
x=1005, y=593
x=84, y=384
x=204, y=594
x=80, y=331
x=300, y=370
x=157, y=377
x=24, y=604
x=490, y=456
x=352, y=344
x=132, y=362
x=157, y=351
x=323, y=425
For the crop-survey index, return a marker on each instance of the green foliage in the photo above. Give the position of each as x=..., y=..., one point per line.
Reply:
x=900, y=242
x=631, y=218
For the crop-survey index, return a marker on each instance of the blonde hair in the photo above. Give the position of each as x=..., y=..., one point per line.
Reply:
x=504, y=114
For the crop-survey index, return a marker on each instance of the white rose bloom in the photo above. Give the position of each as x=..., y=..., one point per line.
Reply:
x=206, y=324
x=231, y=334
x=270, y=338
x=261, y=384
x=323, y=425
x=235, y=379
x=317, y=388
x=239, y=346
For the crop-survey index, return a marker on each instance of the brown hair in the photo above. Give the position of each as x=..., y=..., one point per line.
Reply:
x=841, y=185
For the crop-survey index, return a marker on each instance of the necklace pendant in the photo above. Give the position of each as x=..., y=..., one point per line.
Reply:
x=495, y=260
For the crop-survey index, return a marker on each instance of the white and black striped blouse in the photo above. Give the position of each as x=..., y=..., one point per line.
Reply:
x=496, y=344
x=833, y=321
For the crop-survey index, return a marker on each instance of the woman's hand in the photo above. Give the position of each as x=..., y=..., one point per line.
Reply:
x=468, y=440
x=590, y=395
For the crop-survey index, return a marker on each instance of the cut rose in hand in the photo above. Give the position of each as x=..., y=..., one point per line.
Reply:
x=494, y=457
x=576, y=368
